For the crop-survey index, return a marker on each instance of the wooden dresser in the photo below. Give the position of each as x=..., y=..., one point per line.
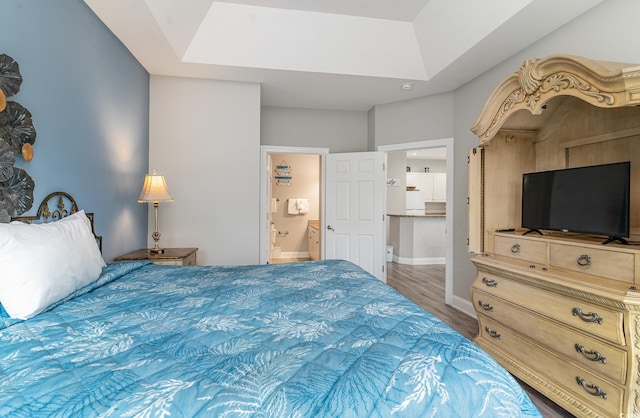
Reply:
x=563, y=314
x=560, y=311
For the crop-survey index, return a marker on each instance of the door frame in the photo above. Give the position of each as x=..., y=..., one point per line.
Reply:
x=448, y=144
x=265, y=195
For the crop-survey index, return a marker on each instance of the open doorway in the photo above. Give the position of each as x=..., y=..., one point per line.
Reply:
x=291, y=204
x=416, y=206
x=435, y=156
x=295, y=208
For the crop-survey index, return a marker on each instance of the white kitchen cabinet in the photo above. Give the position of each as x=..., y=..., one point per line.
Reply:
x=413, y=180
x=439, y=187
x=432, y=186
x=414, y=200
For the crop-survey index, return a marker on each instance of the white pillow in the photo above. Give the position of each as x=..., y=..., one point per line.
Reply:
x=43, y=263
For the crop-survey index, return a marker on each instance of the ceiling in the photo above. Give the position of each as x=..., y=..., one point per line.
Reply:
x=332, y=54
x=427, y=154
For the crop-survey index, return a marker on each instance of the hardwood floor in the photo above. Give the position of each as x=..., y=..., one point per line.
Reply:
x=424, y=285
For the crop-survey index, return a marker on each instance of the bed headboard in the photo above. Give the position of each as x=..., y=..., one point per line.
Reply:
x=58, y=205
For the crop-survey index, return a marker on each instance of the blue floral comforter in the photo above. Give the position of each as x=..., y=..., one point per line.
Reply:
x=316, y=339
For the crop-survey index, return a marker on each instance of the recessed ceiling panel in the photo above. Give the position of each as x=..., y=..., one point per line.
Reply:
x=262, y=37
x=405, y=10
x=177, y=22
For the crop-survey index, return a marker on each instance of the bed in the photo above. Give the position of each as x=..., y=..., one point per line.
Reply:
x=313, y=339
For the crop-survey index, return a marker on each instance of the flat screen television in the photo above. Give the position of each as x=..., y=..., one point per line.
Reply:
x=589, y=200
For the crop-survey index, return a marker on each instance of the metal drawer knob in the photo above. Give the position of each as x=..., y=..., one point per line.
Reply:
x=584, y=260
x=485, y=306
x=492, y=333
x=591, y=389
x=489, y=282
x=587, y=317
x=591, y=354
x=515, y=248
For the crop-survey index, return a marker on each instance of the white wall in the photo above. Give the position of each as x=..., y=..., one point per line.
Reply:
x=435, y=166
x=205, y=140
x=396, y=194
x=414, y=120
x=340, y=131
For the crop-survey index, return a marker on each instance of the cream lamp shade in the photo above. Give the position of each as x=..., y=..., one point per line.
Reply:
x=154, y=190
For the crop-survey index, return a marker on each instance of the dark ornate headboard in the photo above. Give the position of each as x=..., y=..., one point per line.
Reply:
x=58, y=205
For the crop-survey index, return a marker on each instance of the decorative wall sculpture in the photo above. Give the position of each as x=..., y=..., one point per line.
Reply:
x=17, y=136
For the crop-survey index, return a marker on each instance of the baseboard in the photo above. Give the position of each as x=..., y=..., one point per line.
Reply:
x=419, y=261
x=463, y=305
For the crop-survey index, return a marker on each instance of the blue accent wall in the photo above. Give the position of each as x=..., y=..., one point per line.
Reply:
x=89, y=98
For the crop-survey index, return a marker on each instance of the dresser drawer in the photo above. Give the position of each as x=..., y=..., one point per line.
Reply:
x=617, y=265
x=548, y=366
x=586, y=316
x=168, y=262
x=189, y=260
x=520, y=248
x=591, y=353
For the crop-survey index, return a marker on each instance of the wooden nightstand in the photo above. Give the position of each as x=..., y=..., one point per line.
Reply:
x=170, y=257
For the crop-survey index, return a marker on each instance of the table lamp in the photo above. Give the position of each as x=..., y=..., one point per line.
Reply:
x=154, y=190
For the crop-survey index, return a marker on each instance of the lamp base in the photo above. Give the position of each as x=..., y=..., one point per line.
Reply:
x=156, y=250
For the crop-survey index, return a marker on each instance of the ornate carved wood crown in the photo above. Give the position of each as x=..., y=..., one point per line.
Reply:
x=603, y=84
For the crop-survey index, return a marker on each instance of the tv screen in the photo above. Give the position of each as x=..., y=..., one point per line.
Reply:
x=590, y=200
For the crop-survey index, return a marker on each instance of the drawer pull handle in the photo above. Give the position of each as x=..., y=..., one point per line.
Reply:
x=591, y=389
x=485, y=306
x=515, y=249
x=584, y=260
x=489, y=282
x=591, y=354
x=589, y=317
x=492, y=332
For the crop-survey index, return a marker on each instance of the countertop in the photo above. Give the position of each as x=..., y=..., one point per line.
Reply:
x=314, y=224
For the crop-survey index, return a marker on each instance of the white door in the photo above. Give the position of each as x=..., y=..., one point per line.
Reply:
x=355, y=203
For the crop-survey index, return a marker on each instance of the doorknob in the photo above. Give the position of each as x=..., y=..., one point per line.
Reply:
x=330, y=228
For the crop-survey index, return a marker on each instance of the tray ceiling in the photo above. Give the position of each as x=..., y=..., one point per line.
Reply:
x=332, y=54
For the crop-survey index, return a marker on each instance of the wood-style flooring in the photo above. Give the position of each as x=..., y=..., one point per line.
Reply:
x=424, y=285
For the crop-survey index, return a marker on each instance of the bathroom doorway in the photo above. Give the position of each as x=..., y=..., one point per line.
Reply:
x=291, y=204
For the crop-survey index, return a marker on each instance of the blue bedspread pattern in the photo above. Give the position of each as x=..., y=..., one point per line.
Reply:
x=317, y=339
